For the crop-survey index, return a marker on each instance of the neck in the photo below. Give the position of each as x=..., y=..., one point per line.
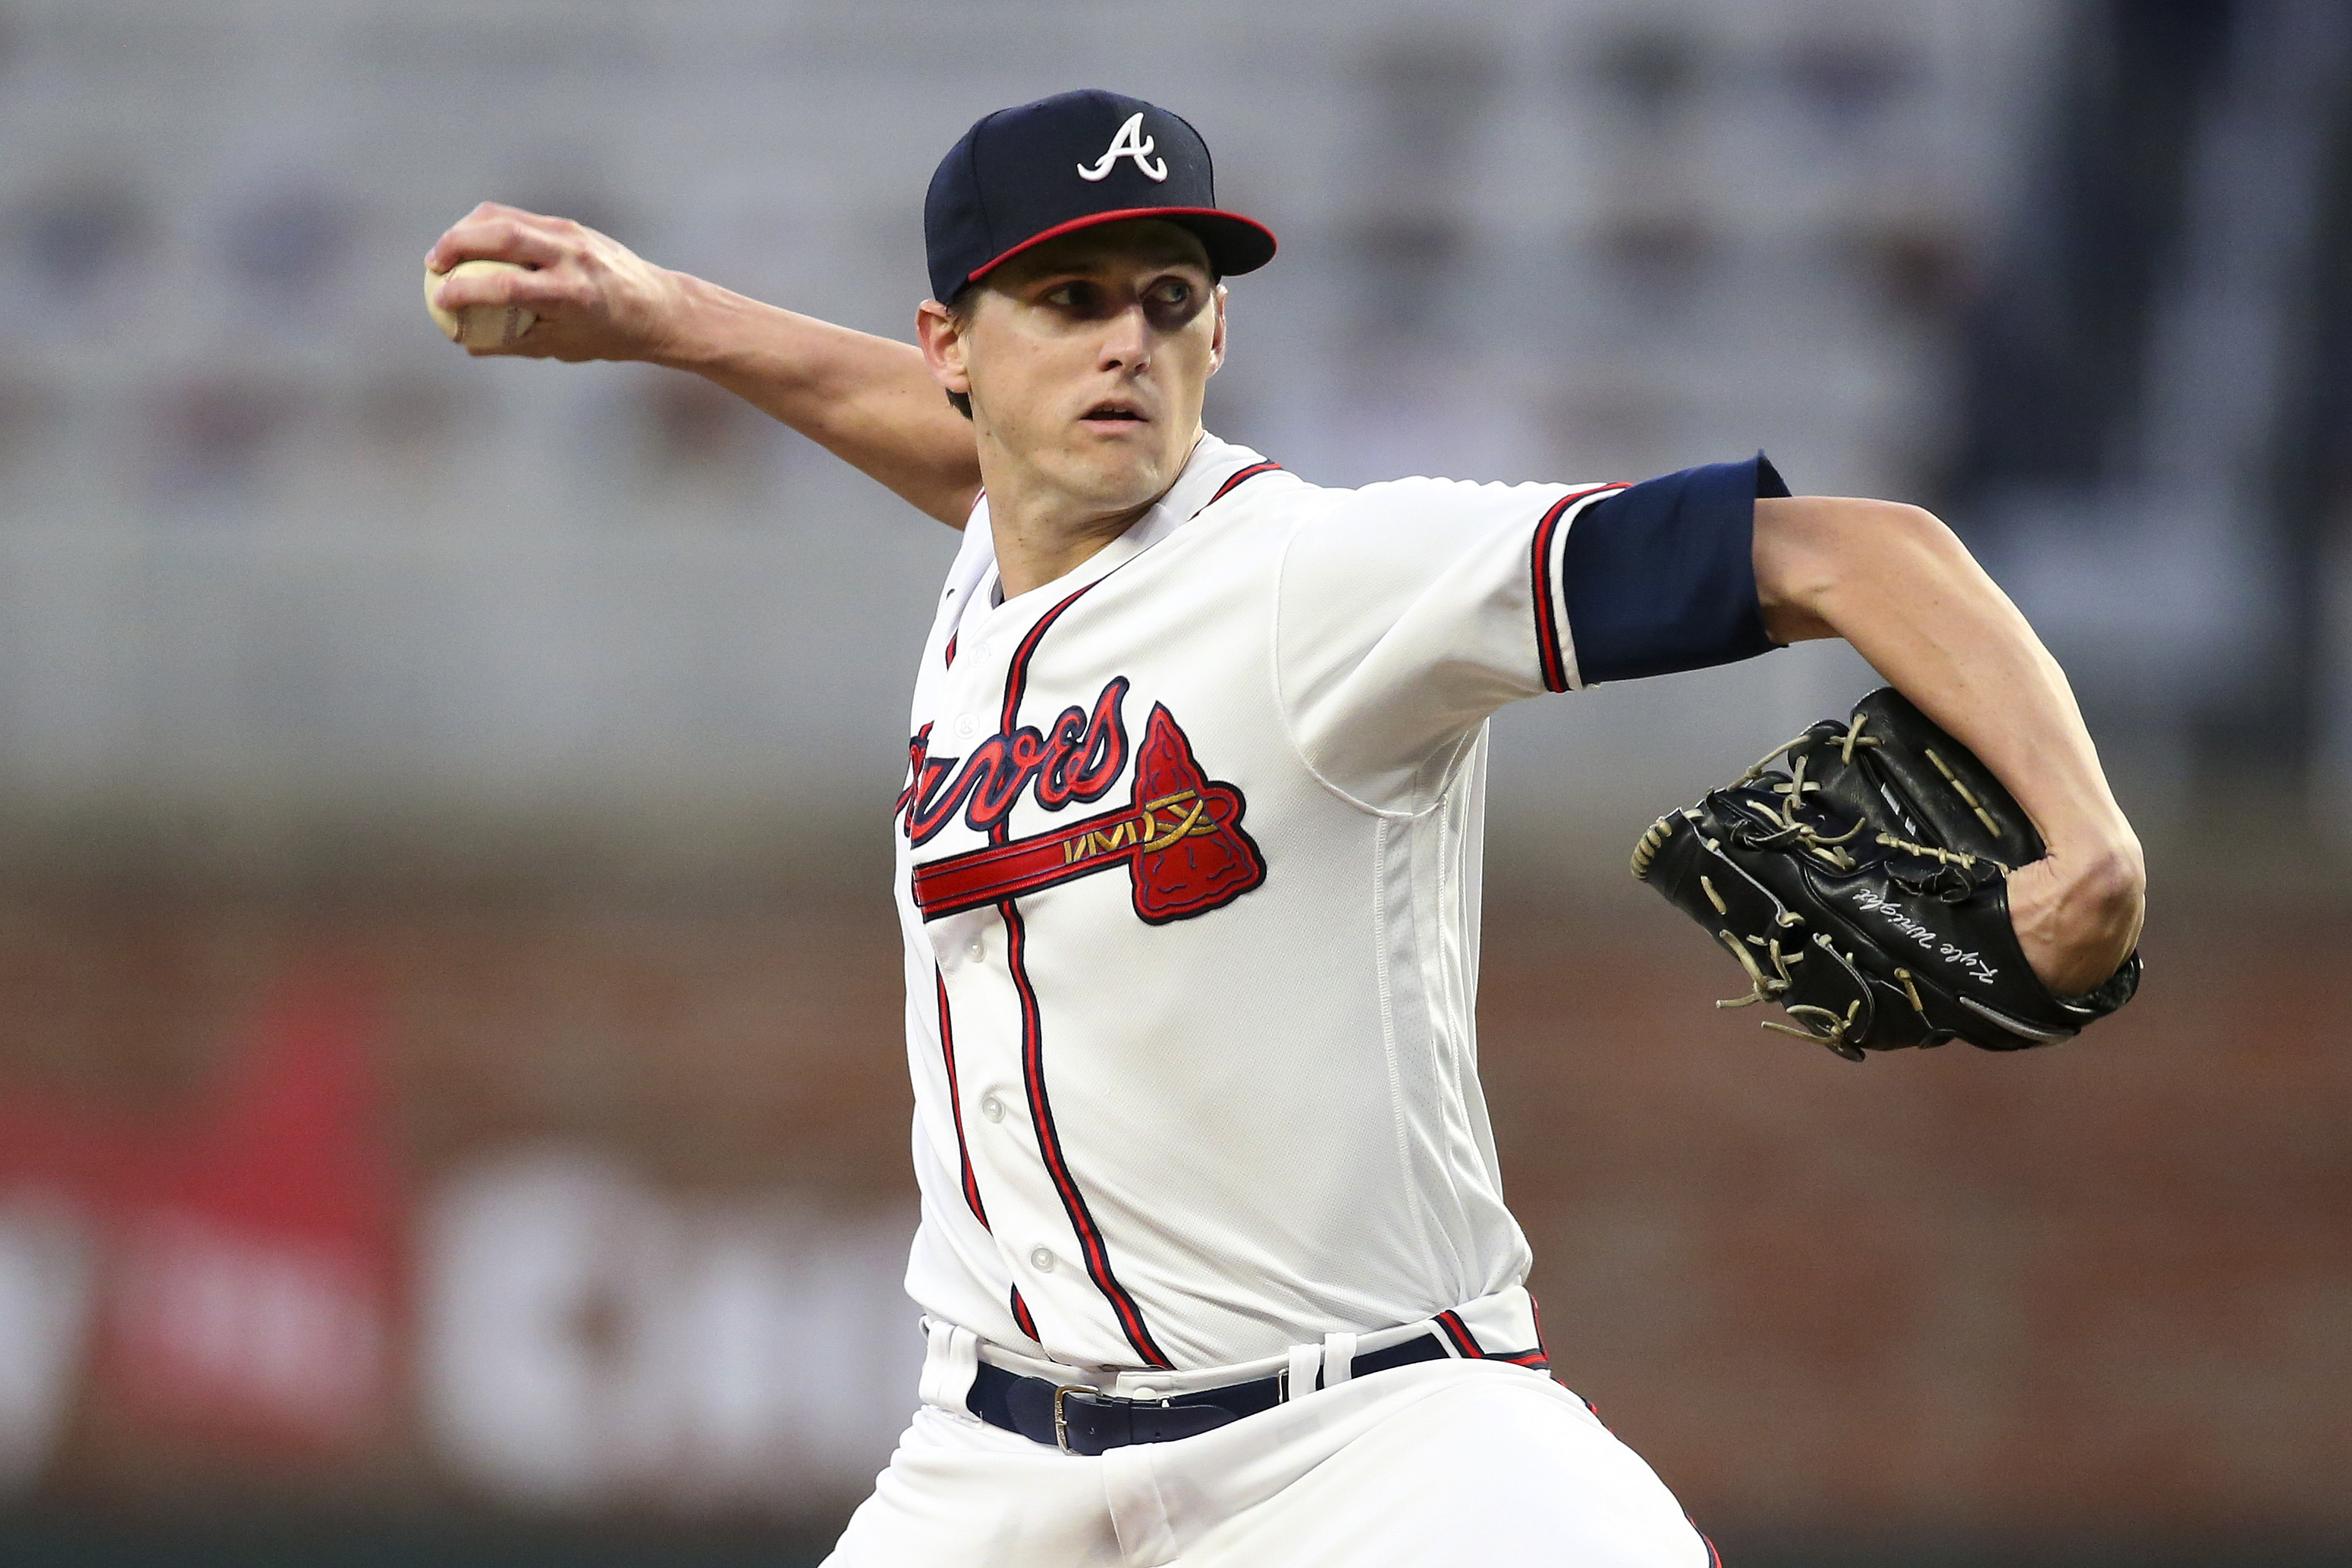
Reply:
x=1044, y=533
x=1039, y=543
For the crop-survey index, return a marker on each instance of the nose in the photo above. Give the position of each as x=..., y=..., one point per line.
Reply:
x=1126, y=339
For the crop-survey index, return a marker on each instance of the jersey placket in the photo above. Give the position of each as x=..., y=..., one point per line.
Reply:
x=978, y=1051
x=982, y=667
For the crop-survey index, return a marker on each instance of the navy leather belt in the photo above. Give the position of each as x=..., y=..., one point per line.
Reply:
x=1080, y=1420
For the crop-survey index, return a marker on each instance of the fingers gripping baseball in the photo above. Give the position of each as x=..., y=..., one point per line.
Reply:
x=587, y=296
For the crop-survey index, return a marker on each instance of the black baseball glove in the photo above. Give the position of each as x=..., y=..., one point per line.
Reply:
x=1866, y=889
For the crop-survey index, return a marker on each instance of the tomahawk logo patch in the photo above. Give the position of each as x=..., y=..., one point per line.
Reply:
x=1179, y=838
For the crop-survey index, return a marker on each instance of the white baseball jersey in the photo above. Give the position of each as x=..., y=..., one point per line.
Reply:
x=1188, y=869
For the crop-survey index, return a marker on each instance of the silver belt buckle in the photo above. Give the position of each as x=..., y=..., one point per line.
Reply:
x=1061, y=1422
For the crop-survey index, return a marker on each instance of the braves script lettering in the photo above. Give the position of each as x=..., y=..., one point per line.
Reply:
x=1179, y=837
x=1077, y=758
x=1973, y=964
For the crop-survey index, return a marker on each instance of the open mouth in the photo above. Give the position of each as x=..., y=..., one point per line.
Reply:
x=1114, y=414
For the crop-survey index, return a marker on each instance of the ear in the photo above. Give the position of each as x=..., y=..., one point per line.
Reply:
x=1217, y=341
x=942, y=345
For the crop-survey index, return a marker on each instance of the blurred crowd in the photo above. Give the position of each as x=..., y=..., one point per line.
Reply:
x=287, y=580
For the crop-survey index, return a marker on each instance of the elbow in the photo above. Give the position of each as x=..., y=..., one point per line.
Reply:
x=1877, y=536
x=1814, y=554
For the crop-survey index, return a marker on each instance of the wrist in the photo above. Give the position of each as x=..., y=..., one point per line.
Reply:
x=2093, y=834
x=2104, y=851
x=685, y=332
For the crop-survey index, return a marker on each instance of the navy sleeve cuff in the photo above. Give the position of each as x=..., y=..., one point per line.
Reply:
x=1661, y=577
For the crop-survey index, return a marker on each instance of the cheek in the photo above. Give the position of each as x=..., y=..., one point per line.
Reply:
x=1199, y=360
x=1043, y=365
x=1010, y=382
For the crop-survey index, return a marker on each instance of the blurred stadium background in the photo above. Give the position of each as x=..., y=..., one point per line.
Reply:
x=451, y=1099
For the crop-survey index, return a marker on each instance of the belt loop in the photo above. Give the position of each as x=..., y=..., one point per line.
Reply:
x=950, y=1362
x=1298, y=1381
x=1338, y=1359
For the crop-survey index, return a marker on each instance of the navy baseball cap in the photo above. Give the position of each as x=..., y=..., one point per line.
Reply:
x=1021, y=176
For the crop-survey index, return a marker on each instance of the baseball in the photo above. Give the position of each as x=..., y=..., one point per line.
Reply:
x=477, y=326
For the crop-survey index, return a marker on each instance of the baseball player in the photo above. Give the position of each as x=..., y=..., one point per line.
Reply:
x=1213, y=1260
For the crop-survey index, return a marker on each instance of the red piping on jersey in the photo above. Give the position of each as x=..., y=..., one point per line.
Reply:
x=1041, y=1110
x=1465, y=1342
x=1459, y=1333
x=950, y=653
x=1033, y=1042
x=1548, y=649
x=955, y=1103
x=1253, y=471
x=1049, y=1145
x=1016, y=678
x=1021, y=1315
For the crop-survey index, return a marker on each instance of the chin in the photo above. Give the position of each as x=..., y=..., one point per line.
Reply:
x=1116, y=482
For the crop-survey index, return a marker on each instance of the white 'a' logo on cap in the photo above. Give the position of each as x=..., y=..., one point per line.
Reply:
x=1130, y=142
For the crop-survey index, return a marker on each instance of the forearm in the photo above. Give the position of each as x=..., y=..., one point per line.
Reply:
x=868, y=400
x=1898, y=586
x=865, y=399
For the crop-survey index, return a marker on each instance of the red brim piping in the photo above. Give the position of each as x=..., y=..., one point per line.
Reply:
x=1094, y=220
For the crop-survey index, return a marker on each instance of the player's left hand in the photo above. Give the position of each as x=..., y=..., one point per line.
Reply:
x=595, y=299
x=1888, y=891
x=2078, y=910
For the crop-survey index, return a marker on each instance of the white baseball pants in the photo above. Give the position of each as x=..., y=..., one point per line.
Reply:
x=1443, y=1463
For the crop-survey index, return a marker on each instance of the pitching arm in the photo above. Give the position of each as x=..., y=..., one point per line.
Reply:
x=868, y=401
x=1894, y=581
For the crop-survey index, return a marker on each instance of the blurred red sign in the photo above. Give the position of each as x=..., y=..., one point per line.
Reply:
x=228, y=1271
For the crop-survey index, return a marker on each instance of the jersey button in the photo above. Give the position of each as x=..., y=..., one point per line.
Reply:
x=1042, y=1261
x=966, y=727
x=978, y=950
x=992, y=1108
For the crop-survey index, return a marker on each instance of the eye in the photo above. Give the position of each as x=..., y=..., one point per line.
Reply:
x=1171, y=303
x=1077, y=294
